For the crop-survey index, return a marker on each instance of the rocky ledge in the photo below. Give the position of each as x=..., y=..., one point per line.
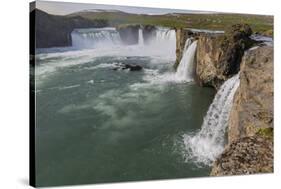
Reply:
x=248, y=155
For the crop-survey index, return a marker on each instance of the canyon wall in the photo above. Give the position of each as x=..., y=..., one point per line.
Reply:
x=249, y=147
x=250, y=128
x=219, y=55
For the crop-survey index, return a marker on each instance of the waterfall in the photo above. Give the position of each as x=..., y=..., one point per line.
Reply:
x=164, y=35
x=188, y=42
x=205, y=146
x=162, y=41
x=140, y=37
x=92, y=37
x=185, y=70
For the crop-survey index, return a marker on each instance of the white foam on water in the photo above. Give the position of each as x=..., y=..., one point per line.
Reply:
x=69, y=87
x=207, y=144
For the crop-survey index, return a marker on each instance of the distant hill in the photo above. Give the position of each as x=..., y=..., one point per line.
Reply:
x=54, y=30
x=216, y=21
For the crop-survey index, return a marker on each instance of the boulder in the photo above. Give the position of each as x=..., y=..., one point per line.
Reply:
x=121, y=66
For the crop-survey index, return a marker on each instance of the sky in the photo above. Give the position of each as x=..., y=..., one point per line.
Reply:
x=63, y=8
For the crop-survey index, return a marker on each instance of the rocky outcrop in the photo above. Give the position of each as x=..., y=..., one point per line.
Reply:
x=253, y=103
x=130, y=67
x=250, y=129
x=55, y=31
x=219, y=55
x=248, y=155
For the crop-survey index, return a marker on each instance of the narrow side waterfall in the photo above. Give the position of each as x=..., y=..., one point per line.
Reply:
x=188, y=42
x=93, y=38
x=140, y=42
x=206, y=145
x=185, y=70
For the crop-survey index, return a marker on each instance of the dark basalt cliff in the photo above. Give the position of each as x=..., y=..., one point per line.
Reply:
x=55, y=31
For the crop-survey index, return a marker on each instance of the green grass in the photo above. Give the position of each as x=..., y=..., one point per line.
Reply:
x=220, y=21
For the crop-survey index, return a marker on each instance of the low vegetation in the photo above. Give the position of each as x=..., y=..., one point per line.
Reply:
x=217, y=21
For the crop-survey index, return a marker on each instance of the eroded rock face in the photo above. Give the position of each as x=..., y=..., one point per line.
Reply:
x=219, y=56
x=247, y=155
x=250, y=129
x=209, y=53
x=253, y=103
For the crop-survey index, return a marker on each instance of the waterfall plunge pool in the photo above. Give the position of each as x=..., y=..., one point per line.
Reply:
x=94, y=124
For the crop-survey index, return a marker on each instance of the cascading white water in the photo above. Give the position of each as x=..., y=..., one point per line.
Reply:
x=140, y=42
x=185, y=70
x=162, y=43
x=206, y=145
x=92, y=38
x=164, y=35
x=188, y=42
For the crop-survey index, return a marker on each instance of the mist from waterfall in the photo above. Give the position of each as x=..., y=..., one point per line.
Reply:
x=206, y=145
x=186, y=68
x=95, y=38
x=161, y=43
